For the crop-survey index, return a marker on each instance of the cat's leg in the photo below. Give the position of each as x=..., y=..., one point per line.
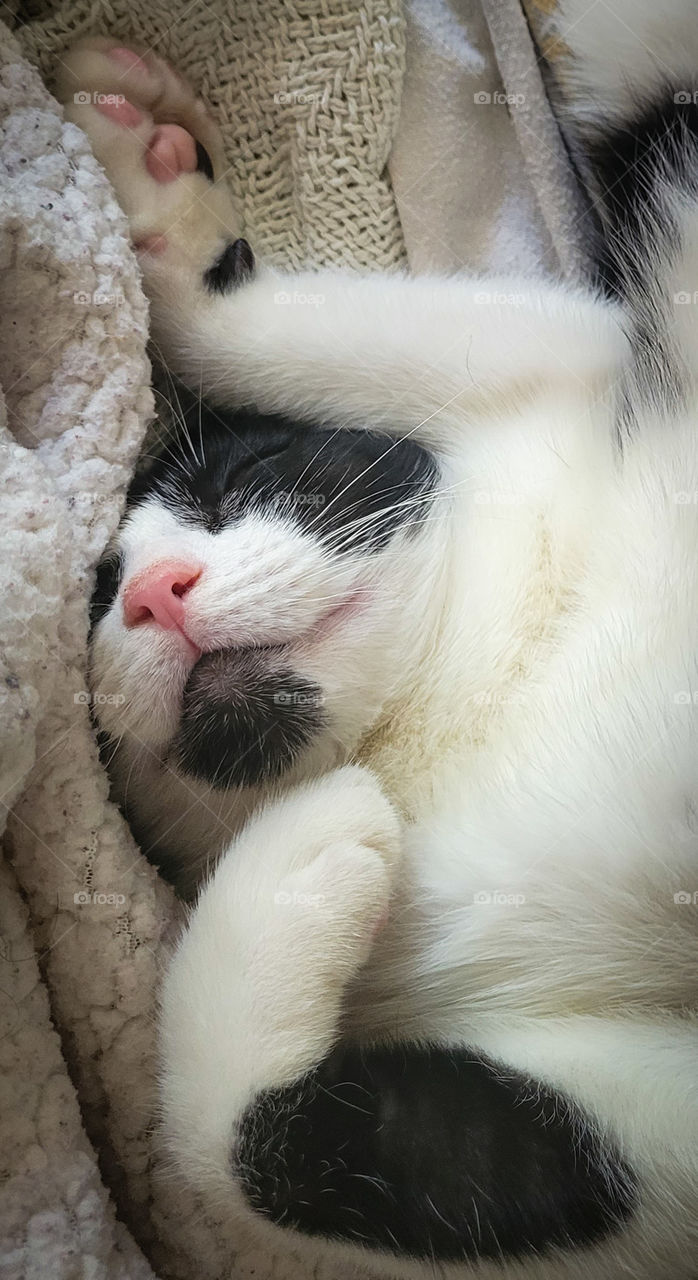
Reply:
x=252, y=997
x=412, y=1149
x=162, y=150
x=416, y=355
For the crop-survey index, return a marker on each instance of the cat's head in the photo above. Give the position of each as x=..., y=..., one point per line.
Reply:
x=263, y=600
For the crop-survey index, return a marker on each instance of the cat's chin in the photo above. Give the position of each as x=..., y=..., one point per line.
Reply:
x=246, y=718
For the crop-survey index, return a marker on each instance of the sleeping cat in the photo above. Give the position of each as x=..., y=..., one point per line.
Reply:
x=433, y=1012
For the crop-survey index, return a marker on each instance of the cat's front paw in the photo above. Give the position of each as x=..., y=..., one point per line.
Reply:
x=284, y=925
x=327, y=856
x=163, y=154
x=300, y=894
x=253, y=996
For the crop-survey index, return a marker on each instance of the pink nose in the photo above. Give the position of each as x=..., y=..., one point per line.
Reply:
x=156, y=594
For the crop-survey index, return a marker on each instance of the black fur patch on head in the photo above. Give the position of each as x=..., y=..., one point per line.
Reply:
x=233, y=268
x=246, y=718
x=437, y=1154
x=353, y=489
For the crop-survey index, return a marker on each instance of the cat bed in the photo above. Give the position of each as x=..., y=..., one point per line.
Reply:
x=357, y=133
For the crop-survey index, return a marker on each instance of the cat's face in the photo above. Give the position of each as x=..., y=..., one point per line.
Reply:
x=261, y=600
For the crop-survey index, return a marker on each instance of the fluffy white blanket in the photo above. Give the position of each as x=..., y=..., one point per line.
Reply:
x=83, y=917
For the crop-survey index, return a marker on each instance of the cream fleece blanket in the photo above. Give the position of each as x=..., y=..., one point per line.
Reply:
x=326, y=170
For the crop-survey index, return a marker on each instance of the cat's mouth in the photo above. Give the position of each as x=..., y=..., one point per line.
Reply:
x=193, y=646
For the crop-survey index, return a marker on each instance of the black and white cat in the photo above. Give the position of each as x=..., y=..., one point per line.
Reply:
x=433, y=1012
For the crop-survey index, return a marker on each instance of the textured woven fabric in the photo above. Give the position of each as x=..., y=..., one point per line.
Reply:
x=307, y=94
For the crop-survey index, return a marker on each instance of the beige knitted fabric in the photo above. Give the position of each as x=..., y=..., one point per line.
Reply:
x=307, y=93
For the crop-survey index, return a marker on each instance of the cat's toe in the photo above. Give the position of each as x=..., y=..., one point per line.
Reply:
x=171, y=151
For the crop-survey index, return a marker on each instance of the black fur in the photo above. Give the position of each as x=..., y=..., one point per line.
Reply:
x=109, y=574
x=246, y=717
x=628, y=161
x=203, y=162
x=233, y=268
x=433, y=1153
x=351, y=488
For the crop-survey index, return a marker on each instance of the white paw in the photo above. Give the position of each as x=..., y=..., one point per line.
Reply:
x=123, y=82
x=323, y=861
x=147, y=127
x=344, y=807
x=303, y=890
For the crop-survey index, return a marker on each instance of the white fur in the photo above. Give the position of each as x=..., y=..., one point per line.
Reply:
x=523, y=681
